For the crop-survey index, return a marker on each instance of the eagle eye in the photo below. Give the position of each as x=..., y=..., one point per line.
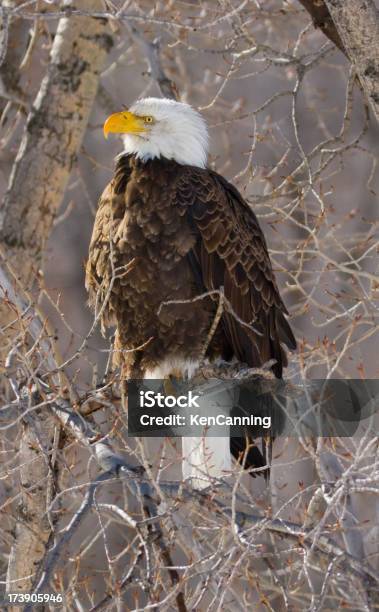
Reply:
x=148, y=119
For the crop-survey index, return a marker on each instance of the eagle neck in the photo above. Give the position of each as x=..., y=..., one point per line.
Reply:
x=162, y=163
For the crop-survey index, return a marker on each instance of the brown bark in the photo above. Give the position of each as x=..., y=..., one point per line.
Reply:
x=353, y=26
x=322, y=19
x=357, y=22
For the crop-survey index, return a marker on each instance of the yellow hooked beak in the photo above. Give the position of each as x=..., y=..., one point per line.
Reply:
x=124, y=123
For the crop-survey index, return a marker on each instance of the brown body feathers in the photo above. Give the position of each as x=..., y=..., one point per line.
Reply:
x=166, y=234
x=167, y=240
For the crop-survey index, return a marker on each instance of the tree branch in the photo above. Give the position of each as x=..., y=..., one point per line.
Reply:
x=357, y=22
x=175, y=495
x=151, y=51
x=322, y=19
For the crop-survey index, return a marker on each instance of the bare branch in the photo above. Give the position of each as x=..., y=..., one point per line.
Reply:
x=151, y=51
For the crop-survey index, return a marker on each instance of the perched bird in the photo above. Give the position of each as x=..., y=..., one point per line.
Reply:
x=172, y=240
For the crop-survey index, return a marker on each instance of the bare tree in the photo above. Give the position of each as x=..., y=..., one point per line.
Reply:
x=51, y=140
x=86, y=514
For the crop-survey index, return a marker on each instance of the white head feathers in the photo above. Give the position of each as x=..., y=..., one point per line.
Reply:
x=177, y=132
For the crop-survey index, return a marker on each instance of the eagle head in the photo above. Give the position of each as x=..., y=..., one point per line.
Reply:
x=160, y=127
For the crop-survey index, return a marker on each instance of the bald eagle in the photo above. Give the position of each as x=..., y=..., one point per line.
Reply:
x=170, y=236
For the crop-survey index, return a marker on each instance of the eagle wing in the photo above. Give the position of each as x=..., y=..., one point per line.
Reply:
x=231, y=254
x=99, y=272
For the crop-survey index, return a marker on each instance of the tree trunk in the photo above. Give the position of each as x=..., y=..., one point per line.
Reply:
x=322, y=19
x=52, y=137
x=357, y=22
